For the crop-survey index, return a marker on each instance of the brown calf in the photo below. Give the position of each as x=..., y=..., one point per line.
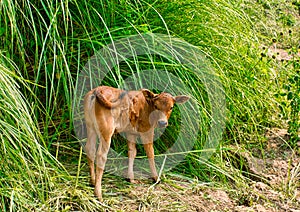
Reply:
x=110, y=110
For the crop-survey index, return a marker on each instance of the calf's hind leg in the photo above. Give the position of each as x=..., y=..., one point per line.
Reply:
x=101, y=157
x=90, y=149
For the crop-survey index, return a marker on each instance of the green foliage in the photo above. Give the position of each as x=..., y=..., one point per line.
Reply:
x=293, y=98
x=26, y=165
x=226, y=33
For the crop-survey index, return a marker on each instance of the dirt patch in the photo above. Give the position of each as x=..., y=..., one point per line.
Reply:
x=277, y=174
x=281, y=54
x=179, y=197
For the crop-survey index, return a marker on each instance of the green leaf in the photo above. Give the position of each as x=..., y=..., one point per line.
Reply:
x=290, y=95
x=2, y=30
x=282, y=94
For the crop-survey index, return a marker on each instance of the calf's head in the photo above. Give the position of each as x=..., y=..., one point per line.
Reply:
x=161, y=106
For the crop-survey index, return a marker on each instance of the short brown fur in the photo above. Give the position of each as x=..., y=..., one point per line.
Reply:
x=110, y=110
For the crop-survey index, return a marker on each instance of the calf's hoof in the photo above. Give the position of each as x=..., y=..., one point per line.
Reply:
x=131, y=181
x=155, y=179
x=98, y=194
x=92, y=182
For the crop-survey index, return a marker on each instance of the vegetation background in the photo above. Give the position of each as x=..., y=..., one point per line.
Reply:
x=253, y=46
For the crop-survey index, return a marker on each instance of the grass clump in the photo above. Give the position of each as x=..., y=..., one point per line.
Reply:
x=225, y=32
x=27, y=168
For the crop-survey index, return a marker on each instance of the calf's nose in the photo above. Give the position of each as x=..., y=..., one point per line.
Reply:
x=162, y=123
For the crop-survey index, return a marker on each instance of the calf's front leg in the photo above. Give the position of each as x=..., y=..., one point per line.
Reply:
x=150, y=154
x=131, y=155
x=147, y=140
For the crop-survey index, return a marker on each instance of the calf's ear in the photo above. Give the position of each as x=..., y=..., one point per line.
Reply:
x=181, y=99
x=149, y=95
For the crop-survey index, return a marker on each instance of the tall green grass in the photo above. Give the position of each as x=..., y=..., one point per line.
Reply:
x=27, y=167
x=224, y=30
x=44, y=46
